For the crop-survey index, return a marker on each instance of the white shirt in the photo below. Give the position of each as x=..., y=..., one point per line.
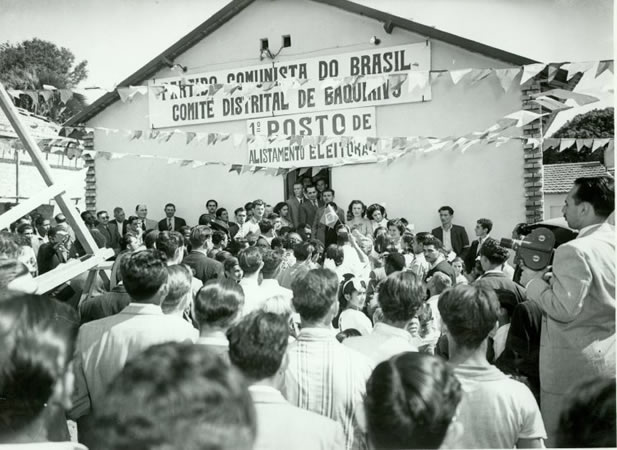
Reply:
x=250, y=227
x=254, y=295
x=384, y=342
x=351, y=318
x=447, y=239
x=271, y=288
x=104, y=346
x=481, y=242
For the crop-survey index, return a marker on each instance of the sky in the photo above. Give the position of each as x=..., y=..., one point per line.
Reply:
x=117, y=37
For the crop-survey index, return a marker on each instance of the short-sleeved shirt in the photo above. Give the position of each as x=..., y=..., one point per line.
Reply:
x=495, y=411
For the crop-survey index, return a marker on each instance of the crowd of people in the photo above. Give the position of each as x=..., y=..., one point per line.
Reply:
x=302, y=325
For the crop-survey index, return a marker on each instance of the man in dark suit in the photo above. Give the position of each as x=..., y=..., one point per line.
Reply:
x=203, y=268
x=437, y=262
x=141, y=211
x=109, y=231
x=483, y=228
x=493, y=257
x=295, y=202
x=321, y=231
x=171, y=222
x=309, y=208
x=119, y=221
x=453, y=237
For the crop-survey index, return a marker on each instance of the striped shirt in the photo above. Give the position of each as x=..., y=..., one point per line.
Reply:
x=328, y=378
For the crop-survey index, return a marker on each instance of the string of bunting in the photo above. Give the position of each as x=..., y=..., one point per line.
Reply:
x=416, y=80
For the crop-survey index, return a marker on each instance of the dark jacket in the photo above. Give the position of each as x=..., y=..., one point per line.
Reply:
x=499, y=280
x=204, y=268
x=458, y=237
x=179, y=222
x=444, y=267
x=104, y=305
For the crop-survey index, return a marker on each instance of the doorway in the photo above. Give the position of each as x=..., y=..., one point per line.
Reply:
x=290, y=179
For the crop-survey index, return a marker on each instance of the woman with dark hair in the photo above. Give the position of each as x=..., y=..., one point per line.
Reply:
x=282, y=209
x=358, y=221
x=396, y=228
x=377, y=215
x=411, y=402
x=352, y=295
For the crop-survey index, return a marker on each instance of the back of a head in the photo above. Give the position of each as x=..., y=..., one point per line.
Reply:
x=9, y=248
x=37, y=341
x=218, y=303
x=314, y=293
x=150, y=238
x=400, y=296
x=168, y=243
x=303, y=251
x=470, y=313
x=395, y=262
x=336, y=253
x=250, y=260
x=179, y=284
x=440, y=282
x=143, y=274
x=598, y=191
x=199, y=236
x=272, y=264
x=173, y=396
x=588, y=416
x=410, y=402
x=495, y=253
x=257, y=344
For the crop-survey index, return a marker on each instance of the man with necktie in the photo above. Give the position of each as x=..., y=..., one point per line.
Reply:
x=109, y=231
x=171, y=222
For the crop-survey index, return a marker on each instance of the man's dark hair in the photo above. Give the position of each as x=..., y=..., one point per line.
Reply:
x=495, y=253
x=422, y=236
x=487, y=224
x=21, y=229
x=98, y=214
x=401, y=295
x=329, y=190
x=170, y=204
x=314, y=293
x=150, y=238
x=212, y=201
x=143, y=273
x=588, y=417
x=303, y=251
x=176, y=395
x=259, y=202
x=272, y=264
x=60, y=218
x=168, y=242
x=394, y=262
x=39, y=220
x=434, y=241
x=84, y=214
x=37, y=342
x=257, y=344
x=218, y=237
x=446, y=208
x=598, y=191
x=411, y=400
x=470, y=313
x=335, y=253
x=124, y=240
x=229, y=263
x=265, y=225
x=219, y=212
x=237, y=210
x=250, y=259
x=248, y=206
x=199, y=235
x=218, y=303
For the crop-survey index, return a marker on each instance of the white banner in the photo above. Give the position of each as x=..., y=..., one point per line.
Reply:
x=307, y=144
x=381, y=80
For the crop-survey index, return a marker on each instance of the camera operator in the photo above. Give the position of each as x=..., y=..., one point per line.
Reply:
x=577, y=298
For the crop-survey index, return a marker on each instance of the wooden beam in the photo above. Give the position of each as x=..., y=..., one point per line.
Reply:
x=32, y=203
x=69, y=210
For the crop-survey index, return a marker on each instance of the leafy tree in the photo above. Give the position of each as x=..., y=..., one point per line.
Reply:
x=598, y=123
x=33, y=63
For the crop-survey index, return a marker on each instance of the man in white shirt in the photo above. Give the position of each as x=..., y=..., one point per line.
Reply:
x=257, y=346
x=271, y=269
x=251, y=226
x=400, y=297
x=323, y=375
x=104, y=346
x=438, y=283
x=251, y=263
x=496, y=411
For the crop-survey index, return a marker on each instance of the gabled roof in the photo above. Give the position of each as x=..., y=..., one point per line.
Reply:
x=236, y=6
x=559, y=178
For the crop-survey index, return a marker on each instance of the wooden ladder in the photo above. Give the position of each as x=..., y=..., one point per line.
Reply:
x=94, y=256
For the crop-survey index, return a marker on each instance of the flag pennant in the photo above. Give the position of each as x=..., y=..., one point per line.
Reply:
x=523, y=117
x=190, y=136
x=530, y=71
x=65, y=95
x=583, y=143
x=316, y=171
x=374, y=82
x=136, y=135
x=552, y=71
x=603, y=66
x=577, y=67
x=580, y=99
x=478, y=75
x=237, y=139
x=551, y=143
x=329, y=217
x=236, y=168
x=417, y=79
x=458, y=75
x=506, y=77
x=396, y=81
x=566, y=144
x=551, y=104
x=599, y=143
x=282, y=171
x=534, y=142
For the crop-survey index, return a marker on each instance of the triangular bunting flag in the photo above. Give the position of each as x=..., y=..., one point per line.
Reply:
x=303, y=171
x=282, y=171
x=136, y=135
x=154, y=134
x=506, y=77
x=190, y=136
x=237, y=139
x=478, y=75
x=604, y=66
x=551, y=104
x=396, y=81
x=374, y=82
x=530, y=71
x=551, y=143
x=236, y=168
x=552, y=71
x=599, y=143
x=316, y=171
x=583, y=143
x=417, y=79
x=580, y=99
x=523, y=117
x=458, y=75
x=65, y=95
x=535, y=143
x=577, y=67
x=566, y=144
